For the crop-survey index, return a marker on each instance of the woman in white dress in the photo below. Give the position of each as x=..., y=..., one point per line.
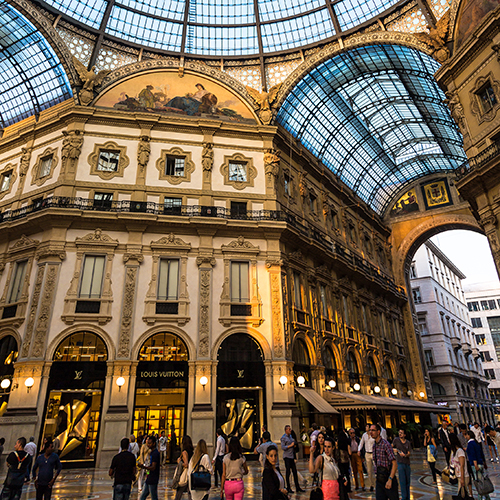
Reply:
x=200, y=458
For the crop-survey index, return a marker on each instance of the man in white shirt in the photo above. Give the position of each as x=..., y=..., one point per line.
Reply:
x=220, y=451
x=133, y=447
x=383, y=432
x=477, y=432
x=162, y=448
x=366, y=444
x=30, y=449
x=314, y=433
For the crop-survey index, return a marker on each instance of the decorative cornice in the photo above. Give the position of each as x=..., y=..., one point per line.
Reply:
x=97, y=237
x=240, y=245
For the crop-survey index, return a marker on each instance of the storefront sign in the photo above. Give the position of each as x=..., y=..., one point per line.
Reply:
x=442, y=403
x=162, y=373
x=76, y=374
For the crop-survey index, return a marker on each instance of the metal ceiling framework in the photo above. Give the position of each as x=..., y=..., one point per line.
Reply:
x=375, y=116
x=31, y=76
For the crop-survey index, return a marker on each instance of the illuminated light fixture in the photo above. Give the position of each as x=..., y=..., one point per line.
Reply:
x=409, y=393
x=356, y=387
x=29, y=383
x=394, y=391
x=120, y=382
x=61, y=408
x=301, y=381
x=377, y=389
x=5, y=384
x=283, y=381
x=73, y=407
x=332, y=384
x=422, y=394
x=228, y=405
x=203, y=381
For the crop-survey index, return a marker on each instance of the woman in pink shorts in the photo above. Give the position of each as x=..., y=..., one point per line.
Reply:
x=234, y=467
x=329, y=473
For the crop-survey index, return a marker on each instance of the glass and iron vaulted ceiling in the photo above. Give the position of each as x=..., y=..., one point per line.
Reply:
x=375, y=116
x=31, y=77
x=220, y=28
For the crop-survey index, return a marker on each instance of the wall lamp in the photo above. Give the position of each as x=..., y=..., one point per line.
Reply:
x=29, y=383
x=283, y=381
x=120, y=382
x=394, y=391
x=331, y=385
x=301, y=381
x=5, y=384
x=422, y=394
x=376, y=389
x=356, y=387
x=203, y=381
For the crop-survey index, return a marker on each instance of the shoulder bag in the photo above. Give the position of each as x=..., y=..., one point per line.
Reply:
x=200, y=478
x=483, y=485
x=317, y=492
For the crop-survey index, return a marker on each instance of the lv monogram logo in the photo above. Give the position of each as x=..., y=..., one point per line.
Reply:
x=78, y=375
x=241, y=373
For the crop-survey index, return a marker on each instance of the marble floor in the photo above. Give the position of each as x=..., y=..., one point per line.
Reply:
x=91, y=484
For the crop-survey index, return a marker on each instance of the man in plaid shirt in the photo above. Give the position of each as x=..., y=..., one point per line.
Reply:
x=386, y=465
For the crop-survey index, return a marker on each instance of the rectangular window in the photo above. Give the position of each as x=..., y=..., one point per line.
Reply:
x=365, y=317
x=103, y=200
x=324, y=303
x=240, y=286
x=297, y=291
x=490, y=374
x=480, y=339
x=287, y=184
x=46, y=165
x=494, y=324
x=417, y=298
x=484, y=305
x=92, y=276
x=492, y=304
x=487, y=98
x=312, y=203
x=237, y=172
x=238, y=210
x=174, y=165
x=108, y=160
x=476, y=323
x=17, y=281
x=429, y=358
x=422, y=324
x=168, y=279
x=6, y=178
x=345, y=305
x=487, y=356
x=473, y=306
x=172, y=205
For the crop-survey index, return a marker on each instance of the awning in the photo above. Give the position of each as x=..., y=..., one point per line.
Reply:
x=353, y=401
x=316, y=400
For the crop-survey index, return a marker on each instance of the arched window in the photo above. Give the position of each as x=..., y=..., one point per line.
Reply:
x=403, y=380
x=300, y=354
x=81, y=346
x=240, y=347
x=163, y=347
x=330, y=366
x=372, y=371
x=352, y=367
x=438, y=389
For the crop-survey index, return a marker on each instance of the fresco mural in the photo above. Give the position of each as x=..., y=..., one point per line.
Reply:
x=164, y=92
x=471, y=13
x=406, y=204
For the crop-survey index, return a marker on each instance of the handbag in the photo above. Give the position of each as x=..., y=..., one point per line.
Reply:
x=430, y=454
x=177, y=476
x=453, y=477
x=316, y=494
x=483, y=485
x=200, y=478
x=383, y=474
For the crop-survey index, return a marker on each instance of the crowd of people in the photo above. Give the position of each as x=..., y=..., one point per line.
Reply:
x=337, y=462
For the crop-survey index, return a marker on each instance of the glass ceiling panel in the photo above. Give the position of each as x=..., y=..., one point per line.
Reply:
x=160, y=24
x=375, y=116
x=31, y=77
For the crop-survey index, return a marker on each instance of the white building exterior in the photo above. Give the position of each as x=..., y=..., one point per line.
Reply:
x=483, y=302
x=450, y=350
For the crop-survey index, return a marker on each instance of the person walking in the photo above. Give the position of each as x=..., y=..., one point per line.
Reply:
x=491, y=446
x=457, y=459
x=477, y=461
x=17, y=464
x=444, y=437
x=234, y=468
x=262, y=449
x=43, y=471
x=152, y=471
x=494, y=436
x=366, y=444
x=133, y=446
x=287, y=445
x=273, y=483
x=220, y=451
x=386, y=487
x=30, y=449
x=186, y=454
x=123, y=470
x=199, y=459
x=356, y=462
x=344, y=456
x=402, y=449
x=431, y=447
x=162, y=448
x=144, y=458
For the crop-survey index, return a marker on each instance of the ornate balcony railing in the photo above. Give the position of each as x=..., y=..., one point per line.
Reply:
x=479, y=160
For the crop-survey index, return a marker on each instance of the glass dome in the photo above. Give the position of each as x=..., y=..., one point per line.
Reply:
x=220, y=28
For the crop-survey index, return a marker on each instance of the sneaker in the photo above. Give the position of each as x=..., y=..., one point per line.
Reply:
x=371, y=488
x=491, y=460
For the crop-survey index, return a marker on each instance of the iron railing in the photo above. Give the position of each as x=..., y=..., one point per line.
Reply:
x=479, y=160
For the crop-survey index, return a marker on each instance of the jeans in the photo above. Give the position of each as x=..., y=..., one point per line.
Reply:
x=218, y=468
x=121, y=491
x=382, y=493
x=234, y=490
x=291, y=467
x=150, y=488
x=181, y=490
x=404, y=472
x=11, y=493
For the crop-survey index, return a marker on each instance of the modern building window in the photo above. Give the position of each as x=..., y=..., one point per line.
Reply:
x=92, y=276
x=237, y=172
x=108, y=160
x=487, y=305
x=473, y=306
x=240, y=288
x=172, y=206
x=480, y=339
x=103, y=200
x=489, y=373
x=487, y=356
x=168, y=280
x=45, y=166
x=476, y=323
x=429, y=357
x=5, y=183
x=494, y=324
x=487, y=97
x=438, y=389
x=297, y=291
x=175, y=166
x=18, y=276
x=417, y=297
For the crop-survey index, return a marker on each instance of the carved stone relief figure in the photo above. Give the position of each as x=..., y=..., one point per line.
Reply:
x=272, y=162
x=207, y=156
x=90, y=80
x=143, y=152
x=25, y=161
x=265, y=101
x=71, y=148
x=456, y=109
